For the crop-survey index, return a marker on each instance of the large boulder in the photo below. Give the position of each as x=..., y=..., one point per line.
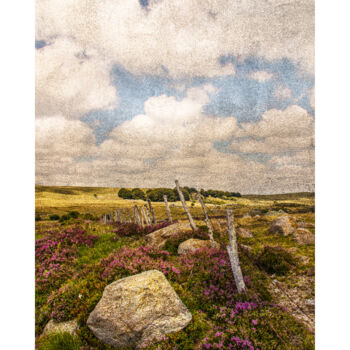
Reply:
x=303, y=236
x=282, y=225
x=244, y=233
x=137, y=308
x=70, y=327
x=193, y=244
x=157, y=239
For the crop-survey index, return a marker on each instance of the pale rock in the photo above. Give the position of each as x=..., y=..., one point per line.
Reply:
x=138, y=308
x=193, y=244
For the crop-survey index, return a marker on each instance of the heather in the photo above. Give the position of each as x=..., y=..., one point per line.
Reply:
x=77, y=258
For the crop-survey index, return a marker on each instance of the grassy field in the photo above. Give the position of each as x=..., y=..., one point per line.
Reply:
x=277, y=312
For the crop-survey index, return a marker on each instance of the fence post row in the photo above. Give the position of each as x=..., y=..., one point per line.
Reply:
x=167, y=208
x=233, y=252
x=206, y=217
x=193, y=225
x=152, y=212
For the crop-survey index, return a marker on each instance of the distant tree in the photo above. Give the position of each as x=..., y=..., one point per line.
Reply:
x=124, y=193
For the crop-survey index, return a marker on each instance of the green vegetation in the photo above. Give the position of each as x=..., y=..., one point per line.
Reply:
x=76, y=259
x=60, y=341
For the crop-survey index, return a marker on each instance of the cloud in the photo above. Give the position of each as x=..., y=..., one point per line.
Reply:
x=283, y=93
x=71, y=80
x=312, y=98
x=261, y=76
x=291, y=130
x=188, y=38
x=59, y=145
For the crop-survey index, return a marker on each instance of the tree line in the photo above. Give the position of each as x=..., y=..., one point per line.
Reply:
x=156, y=194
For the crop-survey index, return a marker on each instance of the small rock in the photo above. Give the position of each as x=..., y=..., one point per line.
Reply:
x=282, y=226
x=59, y=327
x=305, y=225
x=157, y=239
x=193, y=244
x=137, y=308
x=245, y=233
x=275, y=212
x=246, y=248
x=303, y=236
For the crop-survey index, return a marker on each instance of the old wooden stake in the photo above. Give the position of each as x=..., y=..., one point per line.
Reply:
x=144, y=215
x=152, y=212
x=137, y=218
x=193, y=225
x=167, y=208
x=206, y=217
x=116, y=215
x=129, y=215
x=147, y=213
x=233, y=252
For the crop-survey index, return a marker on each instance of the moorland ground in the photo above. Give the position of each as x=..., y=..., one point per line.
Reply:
x=73, y=258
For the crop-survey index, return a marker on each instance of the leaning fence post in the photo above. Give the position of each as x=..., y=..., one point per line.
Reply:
x=105, y=219
x=206, y=218
x=152, y=212
x=233, y=252
x=144, y=215
x=167, y=208
x=124, y=215
x=137, y=218
x=193, y=225
x=116, y=216
x=147, y=213
x=129, y=215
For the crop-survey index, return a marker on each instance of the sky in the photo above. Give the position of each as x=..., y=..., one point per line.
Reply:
x=217, y=94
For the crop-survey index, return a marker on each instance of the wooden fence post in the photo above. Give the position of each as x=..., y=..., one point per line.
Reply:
x=167, y=208
x=233, y=252
x=124, y=215
x=116, y=216
x=137, y=218
x=193, y=225
x=144, y=215
x=206, y=218
x=105, y=219
x=147, y=213
x=129, y=215
x=152, y=212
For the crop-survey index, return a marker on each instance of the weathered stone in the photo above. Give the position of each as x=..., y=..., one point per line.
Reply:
x=137, y=308
x=157, y=239
x=59, y=327
x=305, y=225
x=193, y=244
x=245, y=248
x=275, y=212
x=282, y=226
x=245, y=233
x=303, y=236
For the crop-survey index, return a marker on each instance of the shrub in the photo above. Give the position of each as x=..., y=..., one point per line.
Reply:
x=74, y=214
x=89, y=216
x=60, y=341
x=64, y=218
x=54, y=217
x=276, y=260
x=37, y=217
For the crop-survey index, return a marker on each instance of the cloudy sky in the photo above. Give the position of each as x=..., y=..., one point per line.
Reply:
x=216, y=93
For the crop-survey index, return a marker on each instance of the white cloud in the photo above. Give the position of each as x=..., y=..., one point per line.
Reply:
x=186, y=37
x=71, y=80
x=283, y=93
x=312, y=98
x=261, y=76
